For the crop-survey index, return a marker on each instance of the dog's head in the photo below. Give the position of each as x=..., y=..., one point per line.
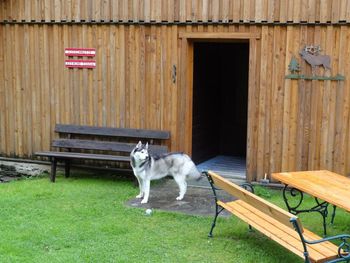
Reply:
x=139, y=154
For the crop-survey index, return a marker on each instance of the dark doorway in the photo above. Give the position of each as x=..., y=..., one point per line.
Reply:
x=220, y=100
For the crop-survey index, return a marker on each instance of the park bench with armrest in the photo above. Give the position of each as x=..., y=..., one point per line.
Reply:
x=277, y=224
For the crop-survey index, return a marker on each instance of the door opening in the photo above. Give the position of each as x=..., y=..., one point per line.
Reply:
x=220, y=102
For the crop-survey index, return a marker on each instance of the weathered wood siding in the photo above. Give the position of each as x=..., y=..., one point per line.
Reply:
x=294, y=11
x=292, y=124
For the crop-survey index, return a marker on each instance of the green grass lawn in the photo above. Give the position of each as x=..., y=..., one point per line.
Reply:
x=85, y=219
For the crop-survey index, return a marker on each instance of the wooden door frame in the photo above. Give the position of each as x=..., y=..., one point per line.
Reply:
x=186, y=86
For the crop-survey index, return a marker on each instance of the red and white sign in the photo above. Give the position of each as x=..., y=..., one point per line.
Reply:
x=80, y=52
x=80, y=63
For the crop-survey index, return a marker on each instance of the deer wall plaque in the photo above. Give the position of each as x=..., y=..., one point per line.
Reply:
x=311, y=54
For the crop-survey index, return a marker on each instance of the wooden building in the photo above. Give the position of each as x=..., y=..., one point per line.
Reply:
x=212, y=72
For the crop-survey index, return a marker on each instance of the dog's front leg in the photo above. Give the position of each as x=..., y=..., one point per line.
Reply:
x=146, y=187
x=140, y=181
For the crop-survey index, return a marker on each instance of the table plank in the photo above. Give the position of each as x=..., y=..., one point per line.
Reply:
x=328, y=186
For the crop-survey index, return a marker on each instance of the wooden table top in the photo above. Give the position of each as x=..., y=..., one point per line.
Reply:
x=328, y=186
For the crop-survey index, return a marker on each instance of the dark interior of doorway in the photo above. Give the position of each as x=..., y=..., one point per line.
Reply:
x=220, y=100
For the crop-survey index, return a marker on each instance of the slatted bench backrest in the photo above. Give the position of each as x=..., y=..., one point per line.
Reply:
x=264, y=206
x=103, y=145
x=112, y=132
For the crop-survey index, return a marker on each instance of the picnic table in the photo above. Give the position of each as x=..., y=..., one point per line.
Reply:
x=325, y=186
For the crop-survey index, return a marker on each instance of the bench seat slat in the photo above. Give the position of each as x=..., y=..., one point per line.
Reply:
x=112, y=132
x=103, y=145
x=280, y=233
x=73, y=155
x=273, y=210
x=325, y=248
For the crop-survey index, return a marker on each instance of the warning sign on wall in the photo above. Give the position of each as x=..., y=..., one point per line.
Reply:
x=80, y=52
x=80, y=63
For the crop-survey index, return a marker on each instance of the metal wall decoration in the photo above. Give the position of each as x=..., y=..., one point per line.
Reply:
x=311, y=54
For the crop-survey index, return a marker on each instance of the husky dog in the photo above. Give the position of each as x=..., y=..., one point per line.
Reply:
x=147, y=167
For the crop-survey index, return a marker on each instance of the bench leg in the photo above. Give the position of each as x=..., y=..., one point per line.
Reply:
x=53, y=170
x=67, y=168
x=333, y=214
x=218, y=210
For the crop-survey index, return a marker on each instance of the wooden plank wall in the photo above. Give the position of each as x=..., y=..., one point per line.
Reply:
x=298, y=124
x=293, y=124
x=130, y=87
x=295, y=11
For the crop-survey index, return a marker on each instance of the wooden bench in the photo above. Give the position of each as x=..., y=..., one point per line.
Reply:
x=99, y=144
x=276, y=223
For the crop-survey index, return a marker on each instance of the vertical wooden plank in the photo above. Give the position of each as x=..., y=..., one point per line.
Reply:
x=9, y=130
x=152, y=85
x=170, y=11
x=315, y=114
x=255, y=76
x=287, y=101
x=166, y=77
x=189, y=99
x=324, y=11
x=347, y=15
x=300, y=143
x=2, y=10
x=47, y=10
x=104, y=75
x=332, y=50
x=215, y=7
x=342, y=109
x=37, y=110
x=142, y=78
x=283, y=11
x=134, y=12
x=174, y=86
x=261, y=143
x=77, y=14
x=91, y=42
x=114, y=11
x=19, y=99
x=147, y=10
x=57, y=10
x=158, y=83
x=135, y=106
x=335, y=14
x=45, y=88
x=259, y=10
x=270, y=10
x=2, y=91
x=53, y=70
x=236, y=11
x=296, y=10
x=306, y=108
x=112, y=80
x=246, y=11
x=325, y=113
x=346, y=109
x=121, y=76
x=277, y=98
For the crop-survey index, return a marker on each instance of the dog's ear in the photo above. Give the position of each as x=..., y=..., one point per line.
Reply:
x=146, y=146
x=139, y=145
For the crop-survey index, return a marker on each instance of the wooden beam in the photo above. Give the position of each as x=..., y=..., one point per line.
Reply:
x=200, y=35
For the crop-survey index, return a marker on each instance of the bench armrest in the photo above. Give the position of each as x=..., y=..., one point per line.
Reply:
x=343, y=248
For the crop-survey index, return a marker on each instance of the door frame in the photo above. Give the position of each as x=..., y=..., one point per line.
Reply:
x=186, y=86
